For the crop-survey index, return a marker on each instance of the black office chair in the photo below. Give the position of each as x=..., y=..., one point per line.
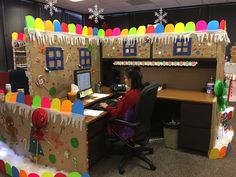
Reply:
x=141, y=126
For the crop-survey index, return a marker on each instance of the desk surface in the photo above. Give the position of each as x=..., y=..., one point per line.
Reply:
x=186, y=95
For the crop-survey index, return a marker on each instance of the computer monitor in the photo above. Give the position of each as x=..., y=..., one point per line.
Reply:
x=83, y=81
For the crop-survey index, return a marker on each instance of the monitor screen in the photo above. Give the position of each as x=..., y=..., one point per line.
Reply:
x=83, y=79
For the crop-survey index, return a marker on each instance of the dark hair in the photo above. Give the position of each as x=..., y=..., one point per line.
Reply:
x=134, y=74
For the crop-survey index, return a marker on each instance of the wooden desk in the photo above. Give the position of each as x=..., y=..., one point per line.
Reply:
x=197, y=116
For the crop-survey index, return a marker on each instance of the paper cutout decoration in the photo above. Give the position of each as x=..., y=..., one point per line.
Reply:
x=213, y=25
x=169, y=28
x=15, y=172
x=57, y=26
x=39, y=25
x=20, y=37
x=8, y=97
x=28, y=100
x=64, y=27
x=223, y=152
x=23, y=173
x=71, y=28
x=124, y=32
x=95, y=31
x=141, y=30
x=74, y=174
x=228, y=148
x=36, y=102
x=29, y=21
x=85, y=174
x=223, y=24
x=101, y=33
x=201, y=25
x=52, y=91
x=13, y=97
x=33, y=175
x=90, y=31
x=47, y=174
x=14, y=36
x=8, y=169
x=46, y=103
x=78, y=29
x=49, y=26
x=60, y=175
x=66, y=106
x=179, y=27
x=190, y=26
x=85, y=31
x=78, y=108
x=20, y=98
x=52, y=158
x=74, y=142
x=116, y=32
x=214, y=154
x=150, y=29
x=159, y=28
x=132, y=31
x=108, y=32
x=56, y=104
x=2, y=167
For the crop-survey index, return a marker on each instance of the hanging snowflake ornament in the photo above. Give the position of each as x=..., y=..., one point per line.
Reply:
x=50, y=5
x=96, y=13
x=160, y=16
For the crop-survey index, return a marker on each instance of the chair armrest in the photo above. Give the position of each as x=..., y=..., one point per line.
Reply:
x=123, y=122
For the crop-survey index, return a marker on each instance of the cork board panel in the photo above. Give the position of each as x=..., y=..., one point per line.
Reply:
x=57, y=148
x=115, y=50
x=61, y=80
x=179, y=78
x=205, y=49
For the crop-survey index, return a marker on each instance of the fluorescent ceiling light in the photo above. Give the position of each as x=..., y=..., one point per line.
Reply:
x=76, y=0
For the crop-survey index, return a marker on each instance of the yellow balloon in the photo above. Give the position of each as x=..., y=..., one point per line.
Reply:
x=124, y=32
x=39, y=25
x=179, y=27
x=8, y=97
x=85, y=31
x=47, y=174
x=141, y=30
x=14, y=36
x=56, y=104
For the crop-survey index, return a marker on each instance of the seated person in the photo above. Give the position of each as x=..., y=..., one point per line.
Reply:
x=128, y=100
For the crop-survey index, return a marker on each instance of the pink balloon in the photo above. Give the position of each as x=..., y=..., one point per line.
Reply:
x=79, y=29
x=46, y=103
x=116, y=32
x=20, y=36
x=201, y=25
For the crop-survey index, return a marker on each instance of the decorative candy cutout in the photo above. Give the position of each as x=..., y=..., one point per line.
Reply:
x=2, y=167
x=214, y=154
x=78, y=29
x=90, y=31
x=8, y=169
x=108, y=32
x=33, y=175
x=8, y=97
x=124, y=32
x=74, y=174
x=85, y=174
x=228, y=148
x=150, y=29
x=74, y=142
x=179, y=27
x=56, y=104
x=169, y=28
x=223, y=151
x=223, y=24
x=29, y=21
x=57, y=26
x=116, y=31
x=13, y=97
x=71, y=28
x=47, y=174
x=78, y=108
x=23, y=173
x=49, y=26
x=60, y=175
x=14, y=36
x=20, y=98
x=101, y=33
x=190, y=26
x=46, y=103
x=159, y=28
x=36, y=102
x=213, y=25
x=132, y=31
x=141, y=30
x=201, y=25
x=52, y=158
x=85, y=31
x=64, y=27
x=20, y=37
x=66, y=106
x=90, y=48
x=28, y=100
x=39, y=25
x=95, y=31
x=15, y=172
x=52, y=91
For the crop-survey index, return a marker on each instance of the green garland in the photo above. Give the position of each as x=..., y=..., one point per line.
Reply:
x=220, y=92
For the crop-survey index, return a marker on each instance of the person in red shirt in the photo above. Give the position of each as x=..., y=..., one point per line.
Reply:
x=132, y=78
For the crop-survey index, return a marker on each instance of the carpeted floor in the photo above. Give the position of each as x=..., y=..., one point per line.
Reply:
x=171, y=163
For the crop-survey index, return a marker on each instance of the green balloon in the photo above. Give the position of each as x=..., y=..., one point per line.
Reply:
x=52, y=91
x=74, y=174
x=219, y=88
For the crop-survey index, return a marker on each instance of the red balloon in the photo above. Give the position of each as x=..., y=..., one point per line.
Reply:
x=39, y=121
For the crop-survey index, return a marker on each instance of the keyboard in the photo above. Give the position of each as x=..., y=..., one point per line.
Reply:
x=96, y=106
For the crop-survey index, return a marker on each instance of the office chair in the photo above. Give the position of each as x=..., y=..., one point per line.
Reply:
x=141, y=126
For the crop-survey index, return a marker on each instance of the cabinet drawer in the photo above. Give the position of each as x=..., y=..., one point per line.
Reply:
x=194, y=138
x=196, y=115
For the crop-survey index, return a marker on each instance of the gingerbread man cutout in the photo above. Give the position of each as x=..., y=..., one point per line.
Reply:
x=11, y=129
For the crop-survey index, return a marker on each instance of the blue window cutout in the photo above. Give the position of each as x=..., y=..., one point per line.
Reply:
x=85, y=57
x=54, y=58
x=129, y=49
x=182, y=47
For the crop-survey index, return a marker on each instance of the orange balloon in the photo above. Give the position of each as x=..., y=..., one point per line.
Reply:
x=23, y=173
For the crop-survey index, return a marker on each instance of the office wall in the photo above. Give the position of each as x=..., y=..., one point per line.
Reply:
x=12, y=13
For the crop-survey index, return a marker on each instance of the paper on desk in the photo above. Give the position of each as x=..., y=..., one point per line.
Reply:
x=90, y=112
x=100, y=95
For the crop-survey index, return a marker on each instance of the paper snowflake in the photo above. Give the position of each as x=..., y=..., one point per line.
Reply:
x=96, y=13
x=50, y=5
x=160, y=16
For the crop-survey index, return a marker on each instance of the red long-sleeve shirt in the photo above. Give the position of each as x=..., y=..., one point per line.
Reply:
x=127, y=101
